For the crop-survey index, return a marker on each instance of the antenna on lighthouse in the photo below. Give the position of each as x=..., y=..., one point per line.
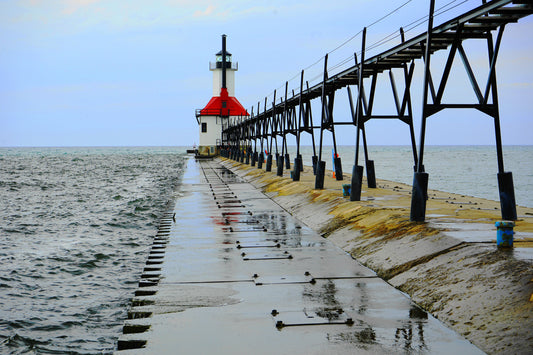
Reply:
x=224, y=61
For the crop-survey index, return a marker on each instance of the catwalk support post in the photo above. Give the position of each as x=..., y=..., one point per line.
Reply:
x=298, y=160
x=357, y=170
x=321, y=165
x=420, y=179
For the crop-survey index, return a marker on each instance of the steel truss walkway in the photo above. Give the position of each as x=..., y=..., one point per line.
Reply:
x=292, y=116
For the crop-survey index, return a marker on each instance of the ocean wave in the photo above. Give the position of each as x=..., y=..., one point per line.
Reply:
x=77, y=230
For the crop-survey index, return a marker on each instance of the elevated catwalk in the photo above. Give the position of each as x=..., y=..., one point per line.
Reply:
x=292, y=115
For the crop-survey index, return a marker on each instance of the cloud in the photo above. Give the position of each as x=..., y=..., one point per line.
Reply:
x=207, y=12
x=72, y=6
x=75, y=16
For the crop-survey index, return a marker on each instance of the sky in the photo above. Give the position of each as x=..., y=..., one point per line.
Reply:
x=132, y=73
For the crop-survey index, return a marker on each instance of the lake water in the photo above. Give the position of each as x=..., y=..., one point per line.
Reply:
x=76, y=228
x=77, y=225
x=467, y=170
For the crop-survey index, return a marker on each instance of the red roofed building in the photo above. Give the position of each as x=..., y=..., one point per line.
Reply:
x=223, y=106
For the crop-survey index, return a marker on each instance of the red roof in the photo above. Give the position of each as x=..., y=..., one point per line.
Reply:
x=215, y=106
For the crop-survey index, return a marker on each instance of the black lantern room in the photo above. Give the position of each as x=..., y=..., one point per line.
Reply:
x=219, y=60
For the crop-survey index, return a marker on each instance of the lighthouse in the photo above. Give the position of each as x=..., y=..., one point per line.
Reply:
x=223, y=106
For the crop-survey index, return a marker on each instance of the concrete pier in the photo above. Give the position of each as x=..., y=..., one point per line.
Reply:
x=450, y=265
x=232, y=272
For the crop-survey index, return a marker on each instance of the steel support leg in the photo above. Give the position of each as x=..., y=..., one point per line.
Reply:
x=260, y=160
x=419, y=197
x=269, y=163
x=296, y=171
x=356, y=183
x=420, y=179
x=320, y=171
x=370, y=174
x=279, y=165
x=338, y=169
x=507, y=197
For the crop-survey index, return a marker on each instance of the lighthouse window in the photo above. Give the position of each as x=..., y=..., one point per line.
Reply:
x=224, y=104
x=204, y=127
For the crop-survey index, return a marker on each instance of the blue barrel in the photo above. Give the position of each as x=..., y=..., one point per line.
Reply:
x=504, y=236
x=346, y=189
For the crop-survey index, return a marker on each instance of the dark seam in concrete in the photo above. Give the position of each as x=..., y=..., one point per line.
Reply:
x=206, y=282
x=389, y=274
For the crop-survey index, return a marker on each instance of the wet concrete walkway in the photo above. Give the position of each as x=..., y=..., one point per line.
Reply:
x=234, y=273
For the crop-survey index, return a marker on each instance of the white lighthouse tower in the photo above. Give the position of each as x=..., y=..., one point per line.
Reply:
x=222, y=107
